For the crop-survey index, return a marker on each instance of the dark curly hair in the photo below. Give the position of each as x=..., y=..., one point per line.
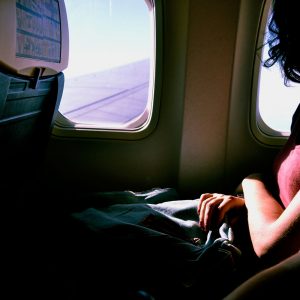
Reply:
x=284, y=38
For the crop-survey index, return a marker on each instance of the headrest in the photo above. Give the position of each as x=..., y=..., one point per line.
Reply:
x=33, y=35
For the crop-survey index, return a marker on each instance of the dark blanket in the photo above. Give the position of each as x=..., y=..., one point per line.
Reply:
x=150, y=241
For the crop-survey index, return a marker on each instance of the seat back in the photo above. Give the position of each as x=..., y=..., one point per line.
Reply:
x=27, y=113
x=33, y=54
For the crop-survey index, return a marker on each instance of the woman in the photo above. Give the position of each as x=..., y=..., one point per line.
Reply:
x=272, y=202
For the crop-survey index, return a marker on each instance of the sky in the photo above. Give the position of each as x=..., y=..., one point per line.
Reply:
x=106, y=33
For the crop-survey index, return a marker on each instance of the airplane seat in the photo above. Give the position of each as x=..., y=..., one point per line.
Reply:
x=33, y=55
x=27, y=109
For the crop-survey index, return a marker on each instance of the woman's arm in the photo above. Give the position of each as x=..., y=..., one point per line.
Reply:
x=277, y=282
x=274, y=231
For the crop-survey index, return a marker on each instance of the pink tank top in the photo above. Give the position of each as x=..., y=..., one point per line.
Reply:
x=287, y=164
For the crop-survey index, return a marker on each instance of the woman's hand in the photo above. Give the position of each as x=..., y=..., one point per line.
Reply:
x=212, y=208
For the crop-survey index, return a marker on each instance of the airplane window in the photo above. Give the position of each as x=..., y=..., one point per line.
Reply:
x=109, y=79
x=276, y=101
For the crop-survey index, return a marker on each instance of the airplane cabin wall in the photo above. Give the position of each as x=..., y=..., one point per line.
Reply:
x=112, y=164
x=211, y=43
x=218, y=146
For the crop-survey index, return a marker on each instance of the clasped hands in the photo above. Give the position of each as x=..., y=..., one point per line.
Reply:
x=212, y=209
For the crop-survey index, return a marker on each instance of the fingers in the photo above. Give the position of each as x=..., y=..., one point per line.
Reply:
x=208, y=203
x=227, y=204
x=212, y=208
